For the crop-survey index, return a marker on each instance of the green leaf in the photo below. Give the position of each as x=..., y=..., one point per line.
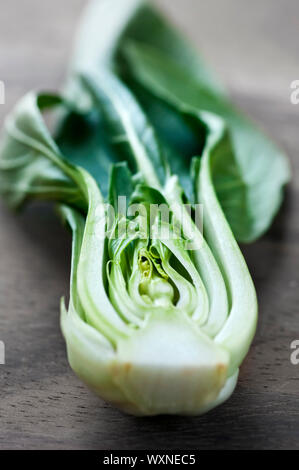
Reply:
x=31, y=165
x=263, y=168
x=129, y=130
x=182, y=135
x=82, y=140
x=148, y=26
x=230, y=187
x=121, y=184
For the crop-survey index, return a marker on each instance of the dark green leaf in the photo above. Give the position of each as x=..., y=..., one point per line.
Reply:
x=128, y=128
x=82, y=140
x=121, y=184
x=263, y=167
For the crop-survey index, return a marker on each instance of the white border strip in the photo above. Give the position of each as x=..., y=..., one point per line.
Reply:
x=2, y=92
x=2, y=353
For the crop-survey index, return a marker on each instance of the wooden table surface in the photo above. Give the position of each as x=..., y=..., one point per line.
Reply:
x=254, y=47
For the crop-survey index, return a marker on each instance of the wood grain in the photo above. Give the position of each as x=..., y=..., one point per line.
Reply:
x=254, y=47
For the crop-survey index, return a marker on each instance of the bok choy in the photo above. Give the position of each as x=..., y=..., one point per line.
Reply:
x=161, y=312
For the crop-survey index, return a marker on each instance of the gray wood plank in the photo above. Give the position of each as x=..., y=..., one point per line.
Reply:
x=253, y=47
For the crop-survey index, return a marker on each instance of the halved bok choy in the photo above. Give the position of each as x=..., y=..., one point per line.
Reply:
x=153, y=325
x=158, y=177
